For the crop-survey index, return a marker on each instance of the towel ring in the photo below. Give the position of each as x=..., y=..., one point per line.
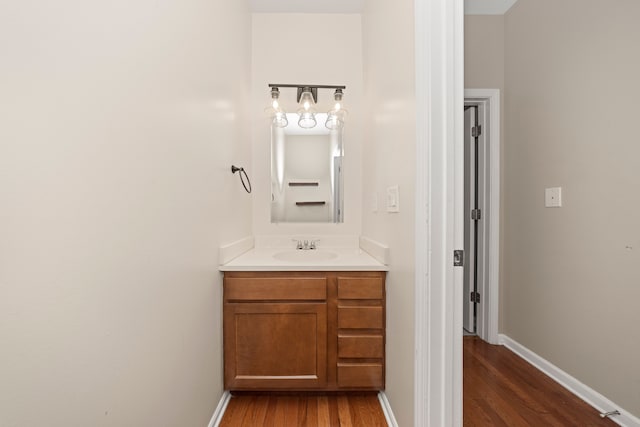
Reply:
x=243, y=175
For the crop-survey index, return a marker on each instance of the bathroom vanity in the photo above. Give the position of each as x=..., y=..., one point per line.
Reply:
x=304, y=330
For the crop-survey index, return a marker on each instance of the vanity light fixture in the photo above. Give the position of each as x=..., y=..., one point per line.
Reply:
x=307, y=110
x=337, y=114
x=275, y=111
x=307, y=97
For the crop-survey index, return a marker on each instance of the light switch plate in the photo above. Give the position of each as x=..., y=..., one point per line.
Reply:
x=553, y=197
x=393, y=199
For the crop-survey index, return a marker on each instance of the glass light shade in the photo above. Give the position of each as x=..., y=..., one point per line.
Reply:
x=306, y=101
x=275, y=111
x=307, y=119
x=336, y=116
x=280, y=119
x=334, y=121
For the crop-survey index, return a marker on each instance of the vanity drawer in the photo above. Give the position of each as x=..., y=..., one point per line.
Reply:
x=360, y=317
x=275, y=288
x=360, y=346
x=360, y=375
x=360, y=288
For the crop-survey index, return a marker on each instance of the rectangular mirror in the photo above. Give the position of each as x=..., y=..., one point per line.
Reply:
x=306, y=173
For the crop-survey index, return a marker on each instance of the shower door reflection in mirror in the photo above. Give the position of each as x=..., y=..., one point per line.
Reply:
x=306, y=173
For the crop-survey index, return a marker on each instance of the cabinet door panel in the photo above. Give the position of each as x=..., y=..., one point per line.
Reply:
x=275, y=345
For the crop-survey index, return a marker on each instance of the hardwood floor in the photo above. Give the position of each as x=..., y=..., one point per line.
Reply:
x=501, y=389
x=304, y=410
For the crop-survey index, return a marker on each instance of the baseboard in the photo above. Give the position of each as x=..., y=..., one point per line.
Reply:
x=219, y=412
x=386, y=408
x=584, y=392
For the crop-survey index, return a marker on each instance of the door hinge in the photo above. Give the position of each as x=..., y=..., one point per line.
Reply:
x=458, y=258
x=476, y=214
x=476, y=131
x=475, y=297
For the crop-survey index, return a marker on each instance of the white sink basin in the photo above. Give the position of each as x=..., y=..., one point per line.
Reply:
x=302, y=256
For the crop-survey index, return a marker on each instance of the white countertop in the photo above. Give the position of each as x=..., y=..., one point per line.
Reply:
x=267, y=259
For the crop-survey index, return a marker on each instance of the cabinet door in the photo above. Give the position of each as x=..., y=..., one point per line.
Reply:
x=275, y=345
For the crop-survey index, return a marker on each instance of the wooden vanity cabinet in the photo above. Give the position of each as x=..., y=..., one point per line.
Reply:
x=304, y=330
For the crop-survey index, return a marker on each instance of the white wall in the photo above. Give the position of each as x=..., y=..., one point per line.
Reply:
x=571, y=274
x=306, y=49
x=118, y=123
x=389, y=159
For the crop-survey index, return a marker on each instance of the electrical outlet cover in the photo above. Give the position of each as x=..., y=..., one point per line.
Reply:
x=553, y=197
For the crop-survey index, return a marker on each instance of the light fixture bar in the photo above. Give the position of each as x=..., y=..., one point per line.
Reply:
x=311, y=86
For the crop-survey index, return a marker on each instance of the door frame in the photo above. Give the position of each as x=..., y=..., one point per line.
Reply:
x=439, y=226
x=488, y=311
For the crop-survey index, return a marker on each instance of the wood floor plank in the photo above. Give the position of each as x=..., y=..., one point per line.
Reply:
x=270, y=416
x=333, y=412
x=235, y=412
x=310, y=416
x=279, y=415
x=257, y=411
x=324, y=417
x=344, y=412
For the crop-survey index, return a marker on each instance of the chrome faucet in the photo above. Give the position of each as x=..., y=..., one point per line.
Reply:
x=305, y=245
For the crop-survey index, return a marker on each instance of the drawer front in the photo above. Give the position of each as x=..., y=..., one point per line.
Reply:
x=275, y=288
x=363, y=317
x=360, y=346
x=359, y=288
x=358, y=375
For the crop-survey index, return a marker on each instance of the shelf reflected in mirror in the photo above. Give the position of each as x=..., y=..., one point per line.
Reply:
x=306, y=173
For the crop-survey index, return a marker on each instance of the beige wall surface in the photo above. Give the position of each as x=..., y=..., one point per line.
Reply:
x=484, y=51
x=118, y=124
x=388, y=160
x=484, y=69
x=322, y=49
x=572, y=276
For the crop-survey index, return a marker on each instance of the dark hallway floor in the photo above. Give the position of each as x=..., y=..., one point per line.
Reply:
x=501, y=389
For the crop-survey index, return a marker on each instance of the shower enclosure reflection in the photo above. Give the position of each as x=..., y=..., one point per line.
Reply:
x=306, y=173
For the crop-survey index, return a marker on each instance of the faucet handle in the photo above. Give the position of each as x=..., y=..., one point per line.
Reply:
x=313, y=244
x=298, y=243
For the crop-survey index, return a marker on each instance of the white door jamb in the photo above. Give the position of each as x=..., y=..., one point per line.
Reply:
x=488, y=324
x=439, y=208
